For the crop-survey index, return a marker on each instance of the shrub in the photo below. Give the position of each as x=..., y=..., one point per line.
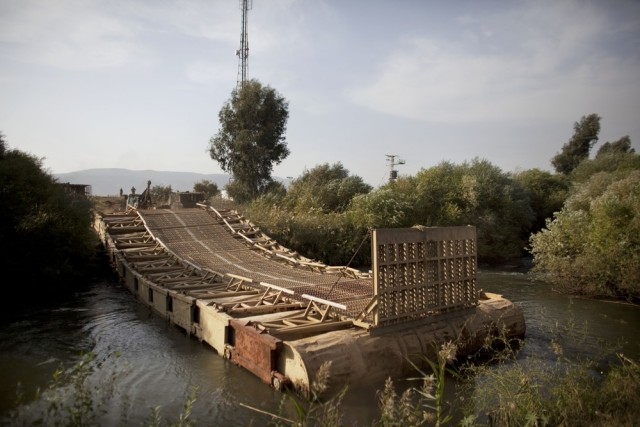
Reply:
x=593, y=244
x=45, y=229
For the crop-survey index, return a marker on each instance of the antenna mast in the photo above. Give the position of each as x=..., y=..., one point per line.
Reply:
x=393, y=173
x=243, y=52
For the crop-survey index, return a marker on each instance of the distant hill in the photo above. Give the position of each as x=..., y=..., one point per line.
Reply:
x=105, y=182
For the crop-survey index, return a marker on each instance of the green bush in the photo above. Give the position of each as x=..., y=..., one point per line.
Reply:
x=327, y=237
x=325, y=188
x=547, y=193
x=45, y=230
x=476, y=193
x=381, y=208
x=592, y=246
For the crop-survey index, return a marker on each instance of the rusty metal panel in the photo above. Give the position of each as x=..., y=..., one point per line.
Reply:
x=421, y=272
x=254, y=350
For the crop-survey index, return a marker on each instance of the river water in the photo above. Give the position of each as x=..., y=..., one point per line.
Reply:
x=159, y=364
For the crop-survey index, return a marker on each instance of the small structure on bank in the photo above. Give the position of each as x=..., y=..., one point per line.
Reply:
x=81, y=190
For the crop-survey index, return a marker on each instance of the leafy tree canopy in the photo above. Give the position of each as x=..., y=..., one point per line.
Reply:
x=251, y=139
x=382, y=208
x=45, y=230
x=621, y=146
x=610, y=160
x=476, y=193
x=328, y=188
x=547, y=193
x=592, y=246
x=210, y=189
x=160, y=193
x=578, y=147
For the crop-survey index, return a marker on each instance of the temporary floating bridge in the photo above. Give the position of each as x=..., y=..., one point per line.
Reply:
x=281, y=315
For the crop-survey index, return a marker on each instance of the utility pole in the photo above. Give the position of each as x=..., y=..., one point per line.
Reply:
x=393, y=173
x=243, y=52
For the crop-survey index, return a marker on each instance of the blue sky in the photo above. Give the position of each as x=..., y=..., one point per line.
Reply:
x=138, y=84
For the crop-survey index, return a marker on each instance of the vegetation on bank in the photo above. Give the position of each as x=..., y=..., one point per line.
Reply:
x=45, y=229
x=580, y=223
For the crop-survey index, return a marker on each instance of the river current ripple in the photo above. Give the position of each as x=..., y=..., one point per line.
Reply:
x=159, y=364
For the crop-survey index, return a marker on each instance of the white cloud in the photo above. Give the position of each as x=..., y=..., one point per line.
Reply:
x=77, y=34
x=216, y=20
x=529, y=63
x=64, y=34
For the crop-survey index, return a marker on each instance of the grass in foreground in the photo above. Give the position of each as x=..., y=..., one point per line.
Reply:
x=506, y=392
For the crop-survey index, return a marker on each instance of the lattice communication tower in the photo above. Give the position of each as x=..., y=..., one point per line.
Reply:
x=243, y=51
x=393, y=173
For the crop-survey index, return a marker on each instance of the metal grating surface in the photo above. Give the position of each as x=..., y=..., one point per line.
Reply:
x=423, y=272
x=195, y=236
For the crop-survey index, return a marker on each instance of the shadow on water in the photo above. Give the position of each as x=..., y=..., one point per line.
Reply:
x=162, y=364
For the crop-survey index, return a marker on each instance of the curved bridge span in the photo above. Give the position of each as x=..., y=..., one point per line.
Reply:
x=281, y=315
x=231, y=246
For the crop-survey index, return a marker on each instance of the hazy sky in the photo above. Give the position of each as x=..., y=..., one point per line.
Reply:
x=138, y=84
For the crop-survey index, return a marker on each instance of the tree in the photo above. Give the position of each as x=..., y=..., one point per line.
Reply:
x=592, y=246
x=577, y=149
x=160, y=194
x=381, y=208
x=45, y=230
x=547, y=193
x=328, y=188
x=623, y=145
x=615, y=156
x=210, y=189
x=476, y=193
x=251, y=139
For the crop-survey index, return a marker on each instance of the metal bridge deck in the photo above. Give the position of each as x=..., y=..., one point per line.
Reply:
x=197, y=237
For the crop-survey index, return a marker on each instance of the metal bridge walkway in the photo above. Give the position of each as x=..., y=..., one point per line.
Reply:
x=230, y=246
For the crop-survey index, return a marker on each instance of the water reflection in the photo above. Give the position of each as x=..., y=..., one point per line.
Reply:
x=586, y=327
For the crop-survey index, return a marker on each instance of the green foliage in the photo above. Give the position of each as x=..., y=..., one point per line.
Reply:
x=310, y=218
x=547, y=193
x=45, y=230
x=476, y=193
x=621, y=146
x=160, y=194
x=607, y=162
x=578, y=147
x=381, y=208
x=251, y=139
x=424, y=405
x=325, y=188
x=514, y=392
x=328, y=237
x=593, y=244
x=326, y=212
x=210, y=189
